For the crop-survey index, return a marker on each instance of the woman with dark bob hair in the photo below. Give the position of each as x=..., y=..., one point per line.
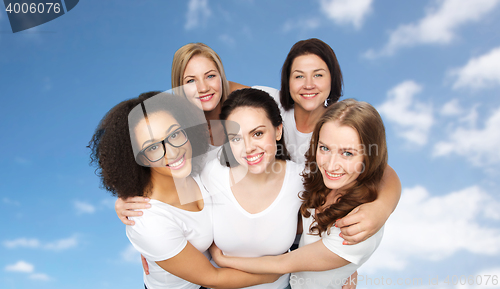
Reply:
x=311, y=81
x=345, y=165
x=151, y=146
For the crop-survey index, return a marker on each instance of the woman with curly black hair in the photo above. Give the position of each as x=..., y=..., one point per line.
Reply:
x=152, y=146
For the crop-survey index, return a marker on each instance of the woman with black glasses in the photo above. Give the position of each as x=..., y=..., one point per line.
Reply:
x=152, y=146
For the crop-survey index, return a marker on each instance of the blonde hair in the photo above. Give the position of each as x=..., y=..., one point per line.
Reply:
x=185, y=53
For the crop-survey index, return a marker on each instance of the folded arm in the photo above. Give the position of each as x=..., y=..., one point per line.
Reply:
x=312, y=257
x=191, y=265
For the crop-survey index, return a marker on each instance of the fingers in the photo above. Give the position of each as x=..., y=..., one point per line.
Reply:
x=354, y=239
x=352, y=218
x=145, y=265
x=129, y=208
x=126, y=221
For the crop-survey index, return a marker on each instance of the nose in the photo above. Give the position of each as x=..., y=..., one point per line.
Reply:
x=249, y=146
x=171, y=153
x=333, y=163
x=309, y=83
x=202, y=86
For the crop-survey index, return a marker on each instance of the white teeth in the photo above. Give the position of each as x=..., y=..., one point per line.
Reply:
x=333, y=175
x=206, y=97
x=255, y=157
x=309, y=95
x=177, y=163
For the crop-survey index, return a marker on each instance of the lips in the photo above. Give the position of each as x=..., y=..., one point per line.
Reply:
x=178, y=163
x=309, y=95
x=206, y=97
x=254, y=159
x=333, y=176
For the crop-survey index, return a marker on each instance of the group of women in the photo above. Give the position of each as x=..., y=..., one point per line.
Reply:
x=244, y=170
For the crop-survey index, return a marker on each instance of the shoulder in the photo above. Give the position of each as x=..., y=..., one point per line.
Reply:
x=275, y=93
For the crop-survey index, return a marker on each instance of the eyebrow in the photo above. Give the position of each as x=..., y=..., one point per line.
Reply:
x=342, y=148
x=253, y=130
x=316, y=70
x=210, y=71
x=168, y=131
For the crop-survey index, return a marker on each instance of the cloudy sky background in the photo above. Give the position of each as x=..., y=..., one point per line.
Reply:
x=432, y=68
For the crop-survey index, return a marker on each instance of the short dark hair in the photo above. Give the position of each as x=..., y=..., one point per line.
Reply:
x=323, y=51
x=111, y=147
x=256, y=98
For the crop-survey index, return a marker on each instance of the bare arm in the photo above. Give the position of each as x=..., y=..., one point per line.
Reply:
x=191, y=265
x=312, y=257
x=367, y=219
x=126, y=208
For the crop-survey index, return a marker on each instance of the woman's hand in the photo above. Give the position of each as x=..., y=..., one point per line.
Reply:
x=365, y=220
x=126, y=208
x=361, y=223
x=217, y=255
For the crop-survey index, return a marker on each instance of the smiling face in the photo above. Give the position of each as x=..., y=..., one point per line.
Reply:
x=176, y=162
x=310, y=82
x=254, y=145
x=202, y=82
x=339, y=155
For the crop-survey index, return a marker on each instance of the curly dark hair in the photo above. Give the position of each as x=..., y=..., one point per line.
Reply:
x=256, y=98
x=111, y=147
x=365, y=119
x=323, y=51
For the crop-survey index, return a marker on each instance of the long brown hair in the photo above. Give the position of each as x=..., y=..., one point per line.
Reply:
x=363, y=118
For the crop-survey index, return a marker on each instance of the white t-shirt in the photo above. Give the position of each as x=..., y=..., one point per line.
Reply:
x=356, y=254
x=164, y=230
x=297, y=143
x=242, y=234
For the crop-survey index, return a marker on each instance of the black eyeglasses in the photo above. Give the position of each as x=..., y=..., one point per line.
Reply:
x=156, y=151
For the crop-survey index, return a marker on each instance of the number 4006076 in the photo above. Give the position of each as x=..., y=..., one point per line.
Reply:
x=33, y=8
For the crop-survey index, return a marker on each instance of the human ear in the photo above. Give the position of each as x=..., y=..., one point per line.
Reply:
x=279, y=132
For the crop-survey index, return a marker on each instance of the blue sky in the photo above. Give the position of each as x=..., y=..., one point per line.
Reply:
x=432, y=68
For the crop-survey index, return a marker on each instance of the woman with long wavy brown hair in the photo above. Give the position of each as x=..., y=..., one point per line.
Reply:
x=345, y=164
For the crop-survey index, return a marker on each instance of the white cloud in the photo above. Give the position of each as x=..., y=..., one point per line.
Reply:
x=484, y=279
x=62, y=244
x=198, y=13
x=479, y=72
x=40, y=277
x=302, y=25
x=10, y=202
x=58, y=245
x=20, y=266
x=438, y=26
x=130, y=254
x=433, y=228
x=412, y=119
x=83, y=207
x=347, y=12
x=22, y=242
x=478, y=145
x=227, y=39
x=451, y=108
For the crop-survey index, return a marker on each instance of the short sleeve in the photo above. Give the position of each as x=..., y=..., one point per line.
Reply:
x=157, y=236
x=357, y=254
